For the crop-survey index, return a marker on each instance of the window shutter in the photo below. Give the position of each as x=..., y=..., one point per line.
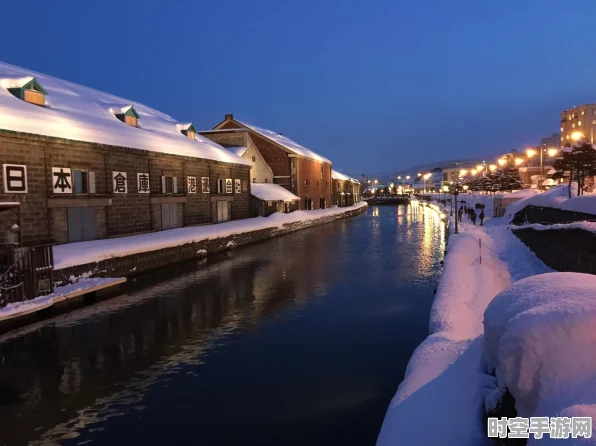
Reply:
x=175, y=185
x=163, y=184
x=91, y=182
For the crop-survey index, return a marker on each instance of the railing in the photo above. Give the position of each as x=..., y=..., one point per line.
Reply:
x=25, y=272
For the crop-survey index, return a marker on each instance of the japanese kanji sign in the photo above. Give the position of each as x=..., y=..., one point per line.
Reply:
x=61, y=180
x=142, y=183
x=191, y=184
x=119, y=182
x=15, y=178
x=238, y=185
x=229, y=189
x=205, y=185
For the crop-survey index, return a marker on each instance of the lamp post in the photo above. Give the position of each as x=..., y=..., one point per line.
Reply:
x=426, y=177
x=456, y=193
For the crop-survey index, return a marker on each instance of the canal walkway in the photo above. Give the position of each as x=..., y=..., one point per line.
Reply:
x=446, y=380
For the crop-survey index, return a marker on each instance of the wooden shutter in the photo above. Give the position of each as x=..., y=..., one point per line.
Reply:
x=163, y=184
x=91, y=182
x=175, y=185
x=35, y=97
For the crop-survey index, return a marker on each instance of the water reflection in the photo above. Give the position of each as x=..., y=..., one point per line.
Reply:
x=305, y=308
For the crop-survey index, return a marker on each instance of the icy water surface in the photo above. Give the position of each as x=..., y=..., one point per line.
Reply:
x=299, y=340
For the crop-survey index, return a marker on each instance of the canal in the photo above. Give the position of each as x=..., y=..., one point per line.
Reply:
x=302, y=339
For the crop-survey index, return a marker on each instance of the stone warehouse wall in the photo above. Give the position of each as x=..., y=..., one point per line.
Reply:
x=571, y=250
x=43, y=213
x=143, y=262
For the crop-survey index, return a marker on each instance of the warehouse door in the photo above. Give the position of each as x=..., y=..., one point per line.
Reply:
x=223, y=211
x=171, y=215
x=82, y=224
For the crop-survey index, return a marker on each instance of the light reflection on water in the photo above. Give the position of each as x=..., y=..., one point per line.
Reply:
x=307, y=335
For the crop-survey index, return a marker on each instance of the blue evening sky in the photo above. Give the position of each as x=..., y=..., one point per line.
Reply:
x=375, y=86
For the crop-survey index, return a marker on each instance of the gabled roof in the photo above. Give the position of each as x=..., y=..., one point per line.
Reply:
x=283, y=141
x=271, y=192
x=186, y=127
x=119, y=109
x=339, y=176
x=82, y=114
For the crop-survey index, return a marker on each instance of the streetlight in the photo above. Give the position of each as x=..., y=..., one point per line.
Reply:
x=479, y=168
x=426, y=177
x=502, y=162
x=473, y=172
x=492, y=167
x=576, y=136
x=518, y=161
x=445, y=190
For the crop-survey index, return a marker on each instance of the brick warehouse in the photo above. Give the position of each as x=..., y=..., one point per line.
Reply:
x=78, y=164
x=298, y=169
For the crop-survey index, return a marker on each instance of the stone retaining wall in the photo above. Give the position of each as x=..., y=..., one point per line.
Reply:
x=131, y=265
x=571, y=250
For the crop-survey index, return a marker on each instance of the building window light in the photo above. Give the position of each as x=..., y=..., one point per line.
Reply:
x=187, y=130
x=579, y=123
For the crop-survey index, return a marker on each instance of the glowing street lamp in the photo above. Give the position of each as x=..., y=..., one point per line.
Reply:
x=479, y=167
x=552, y=152
x=518, y=161
x=502, y=161
x=473, y=172
x=492, y=167
x=577, y=136
x=426, y=177
x=463, y=172
x=530, y=153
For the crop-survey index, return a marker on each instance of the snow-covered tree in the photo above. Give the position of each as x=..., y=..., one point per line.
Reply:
x=579, y=160
x=508, y=178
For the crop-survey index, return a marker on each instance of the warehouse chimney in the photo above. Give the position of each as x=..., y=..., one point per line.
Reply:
x=230, y=116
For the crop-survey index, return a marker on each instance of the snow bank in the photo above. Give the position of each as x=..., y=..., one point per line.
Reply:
x=39, y=303
x=82, y=114
x=445, y=383
x=585, y=204
x=540, y=337
x=446, y=380
x=80, y=253
x=554, y=197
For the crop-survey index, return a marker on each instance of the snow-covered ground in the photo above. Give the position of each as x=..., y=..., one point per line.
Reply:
x=80, y=253
x=446, y=379
x=540, y=338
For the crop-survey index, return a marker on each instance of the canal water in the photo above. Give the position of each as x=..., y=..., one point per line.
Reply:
x=302, y=339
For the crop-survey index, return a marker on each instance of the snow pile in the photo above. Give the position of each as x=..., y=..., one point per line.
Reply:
x=540, y=337
x=286, y=142
x=339, y=176
x=271, y=192
x=445, y=383
x=584, y=203
x=80, y=253
x=554, y=197
x=82, y=114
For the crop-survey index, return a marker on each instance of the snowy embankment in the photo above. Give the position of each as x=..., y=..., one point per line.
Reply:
x=446, y=379
x=82, y=253
x=540, y=339
x=71, y=290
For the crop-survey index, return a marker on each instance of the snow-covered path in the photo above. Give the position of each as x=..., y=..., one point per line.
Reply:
x=445, y=382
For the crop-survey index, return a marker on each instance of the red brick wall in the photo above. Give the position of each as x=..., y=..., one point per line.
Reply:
x=317, y=187
x=129, y=213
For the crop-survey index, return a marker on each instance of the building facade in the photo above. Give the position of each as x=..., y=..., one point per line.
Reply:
x=240, y=143
x=576, y=123
x=79, y=167
x=296, y=168
x=345, y=190
x=551, y=142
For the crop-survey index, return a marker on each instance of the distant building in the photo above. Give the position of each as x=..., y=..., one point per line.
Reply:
x=550, y=142
x=345, y=191
x=300, y=170
x=578, y=122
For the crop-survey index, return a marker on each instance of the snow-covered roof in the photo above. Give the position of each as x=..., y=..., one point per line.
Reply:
x=339, y=176
x=83, y=114
x=237, y=150
x=286, y=142
x=271, y=192
x=15, y=81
